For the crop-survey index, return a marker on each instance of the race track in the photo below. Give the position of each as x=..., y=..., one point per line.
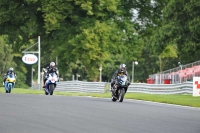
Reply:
x=24, y=113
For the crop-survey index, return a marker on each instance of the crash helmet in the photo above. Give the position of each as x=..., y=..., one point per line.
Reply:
x=52, y=64
x=11, y=69
x=122, y=67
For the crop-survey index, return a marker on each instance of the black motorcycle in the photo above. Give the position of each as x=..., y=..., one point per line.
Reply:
x=120, y=88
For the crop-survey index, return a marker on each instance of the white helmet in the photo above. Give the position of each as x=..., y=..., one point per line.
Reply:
x=122, y=67
x=52, y=64
x=11, y=69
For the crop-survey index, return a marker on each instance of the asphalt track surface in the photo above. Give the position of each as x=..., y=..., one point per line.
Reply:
x=24, y=113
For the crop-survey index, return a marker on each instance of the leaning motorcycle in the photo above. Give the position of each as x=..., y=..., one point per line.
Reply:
x=51, y=84
x=10, y=83
x=120, y=88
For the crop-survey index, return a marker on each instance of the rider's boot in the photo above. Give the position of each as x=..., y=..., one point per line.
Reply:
x=113, y=89
x=44, y=86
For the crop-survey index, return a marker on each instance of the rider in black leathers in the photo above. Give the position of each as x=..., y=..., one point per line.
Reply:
x=118, y=72
x=50, y=69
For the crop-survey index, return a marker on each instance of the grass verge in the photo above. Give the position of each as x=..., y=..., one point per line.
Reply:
x=178, y=99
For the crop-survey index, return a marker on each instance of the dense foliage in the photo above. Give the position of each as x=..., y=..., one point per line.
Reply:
x=80, y=35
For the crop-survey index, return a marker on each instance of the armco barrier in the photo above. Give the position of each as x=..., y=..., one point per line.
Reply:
x=104, y=87
x=182, y=88
x=80, y=86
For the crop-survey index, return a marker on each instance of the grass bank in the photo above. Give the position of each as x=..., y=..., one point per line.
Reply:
x=178, y=99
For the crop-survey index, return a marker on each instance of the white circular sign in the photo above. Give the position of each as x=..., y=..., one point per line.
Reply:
x=29, y=58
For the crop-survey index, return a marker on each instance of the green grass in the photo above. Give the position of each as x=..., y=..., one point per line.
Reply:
x=178, y=99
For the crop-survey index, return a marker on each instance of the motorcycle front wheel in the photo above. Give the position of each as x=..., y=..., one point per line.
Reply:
x=51, y=88
x=121, y=94
x=9, y=88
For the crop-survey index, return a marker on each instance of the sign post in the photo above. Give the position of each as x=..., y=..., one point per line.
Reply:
x=100, y=75
x=30, y=58
x=196, y=86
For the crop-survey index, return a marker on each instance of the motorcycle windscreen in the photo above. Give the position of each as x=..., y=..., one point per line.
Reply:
x=52, y=77
x=10, y=76
x=122, y=79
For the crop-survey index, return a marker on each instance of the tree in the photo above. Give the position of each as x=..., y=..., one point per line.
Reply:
x=90, y=32
x=6, y=55
x=170, y=51
x=180, y=26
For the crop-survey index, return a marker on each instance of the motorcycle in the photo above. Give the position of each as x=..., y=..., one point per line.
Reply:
x=51, y=84
x=120, y=88
x=10, y=83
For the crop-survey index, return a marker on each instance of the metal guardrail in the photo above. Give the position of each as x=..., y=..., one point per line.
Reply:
x=104, y=87
x=181, y=88
x=80, y=86
x=35, y=87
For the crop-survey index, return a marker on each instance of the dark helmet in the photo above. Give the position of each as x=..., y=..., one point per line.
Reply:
x=52, y=64
x=122, y=67
x=11, y=69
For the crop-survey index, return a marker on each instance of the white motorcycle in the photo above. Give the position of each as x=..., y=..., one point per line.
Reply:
x=51, y=83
